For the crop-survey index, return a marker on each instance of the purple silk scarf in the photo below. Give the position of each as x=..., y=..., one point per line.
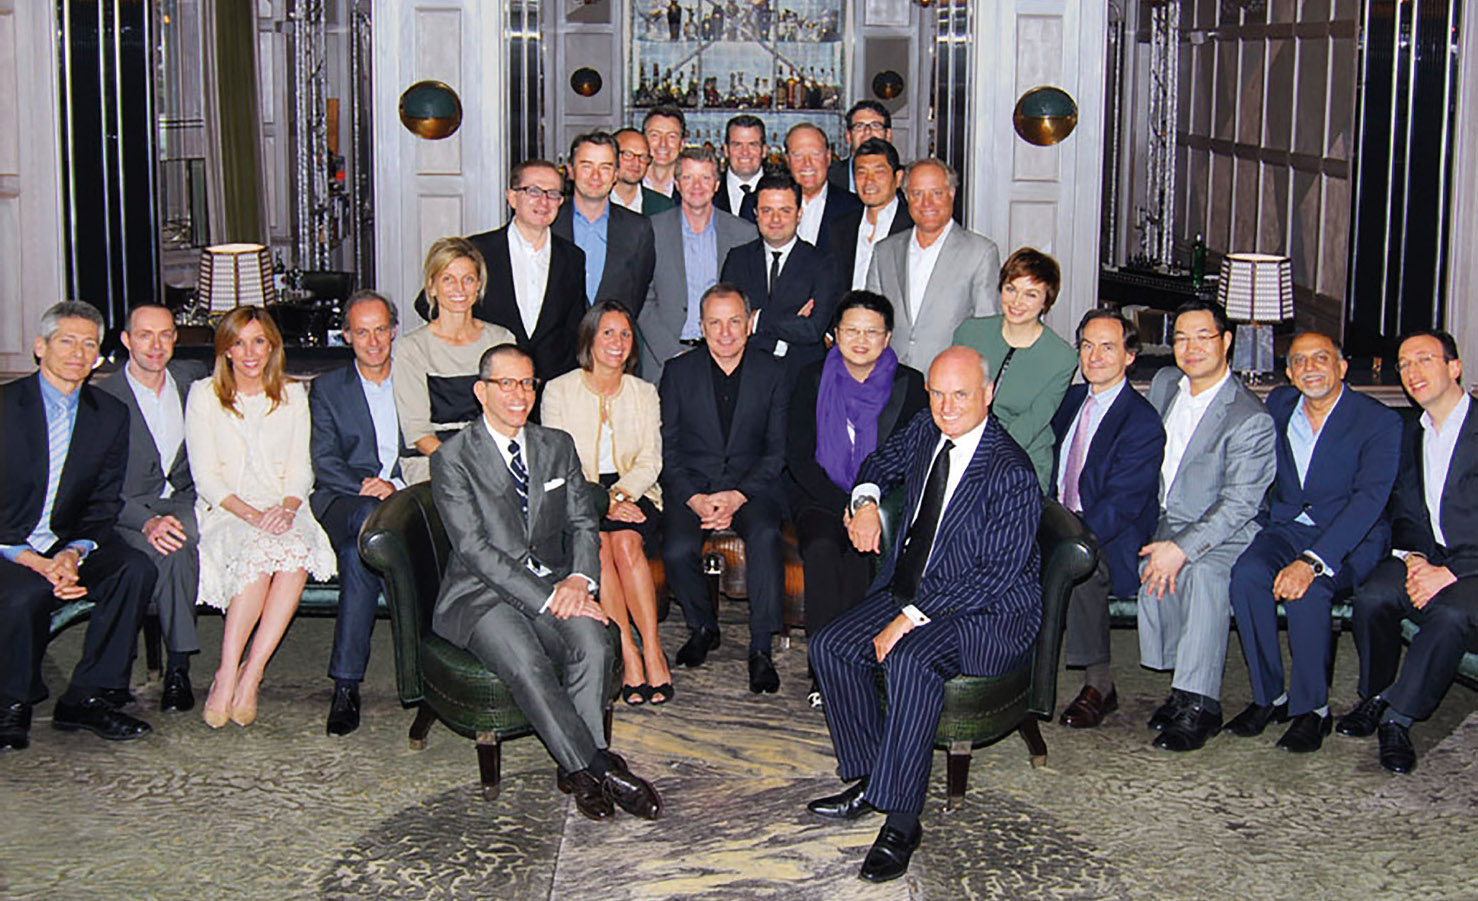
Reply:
x=842, y=399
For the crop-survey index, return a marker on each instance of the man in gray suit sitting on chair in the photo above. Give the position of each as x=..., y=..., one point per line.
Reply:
x=1219, y=461
x=937, y=273
x=158, y=515
x=518, y=592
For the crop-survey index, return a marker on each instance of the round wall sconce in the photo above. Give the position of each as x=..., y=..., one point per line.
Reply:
x=431, y=110
x=585, y=81
x=887, y=85
x=1045, y=115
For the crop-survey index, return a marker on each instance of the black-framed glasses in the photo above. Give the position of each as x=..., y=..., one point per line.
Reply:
x=510, y=384
x=633, y=155
x=533, y=192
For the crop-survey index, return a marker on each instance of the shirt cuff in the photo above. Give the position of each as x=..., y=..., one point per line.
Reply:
x=1402, y=555
x=1328, y=570
x=12, y=551
x=915, y=615
x=865, y=490
x=83, y=547
x=593, y=588
x=396, y=481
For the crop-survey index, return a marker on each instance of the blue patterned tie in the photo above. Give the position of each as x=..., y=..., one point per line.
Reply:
x=58, y=440
x=520, y=476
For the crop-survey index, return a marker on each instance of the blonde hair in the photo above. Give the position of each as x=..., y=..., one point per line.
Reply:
x=443, y=253
x=274, y=379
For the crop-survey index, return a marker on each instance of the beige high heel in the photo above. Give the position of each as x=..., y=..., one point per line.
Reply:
x=213, y=718
x=245, y=714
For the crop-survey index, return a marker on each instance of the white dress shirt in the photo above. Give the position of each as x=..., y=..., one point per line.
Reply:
x=1180, y=424
x=734, y=185
x=1438, y=445
x=381, y=400
x=781, y=346
x=530, y=276
x=634, y=204
x=165, y=416
x=1102, y=401
x=869, y=234
x=921, y=262
x=811, y=213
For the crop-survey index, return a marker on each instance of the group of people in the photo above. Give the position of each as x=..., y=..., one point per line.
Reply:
x=640, y=367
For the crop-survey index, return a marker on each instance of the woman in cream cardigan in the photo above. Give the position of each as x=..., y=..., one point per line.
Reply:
x=615, y=420
x=247, y=432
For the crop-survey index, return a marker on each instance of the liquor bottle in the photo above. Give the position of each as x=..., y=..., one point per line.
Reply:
x=762, y=96
x=831, y=94
x=710, y=91
x=691, y=98
x=664, y=93
x=780, y=93
x=742, y=98
x=795, y=90
x=674, y=20
x=643, y=91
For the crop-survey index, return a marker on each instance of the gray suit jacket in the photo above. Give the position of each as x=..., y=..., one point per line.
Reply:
x=491, y=539
x=666, y=310
x=963, y=284
x=1225, y=472
x=145, y=476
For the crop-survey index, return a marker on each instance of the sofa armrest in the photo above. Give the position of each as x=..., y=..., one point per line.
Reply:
x=395, y=539
x=1069, y=555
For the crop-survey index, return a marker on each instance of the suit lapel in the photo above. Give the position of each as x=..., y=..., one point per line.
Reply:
x=888, y=418
x=34, y=434
x=1207, y=430
x=536, y=458
x=1329, y=442
x=491, y=463
x=961, y=504
x=1464, y=457
x=939, y=277
x=500, y=273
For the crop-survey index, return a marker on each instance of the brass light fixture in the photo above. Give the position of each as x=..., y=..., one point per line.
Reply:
x=586, y=82
x=431, y=110
x=1045, y=115
x=887, y=84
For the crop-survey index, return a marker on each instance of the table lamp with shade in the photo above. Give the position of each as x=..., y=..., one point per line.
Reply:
x=233, y=275
x=1256, y=289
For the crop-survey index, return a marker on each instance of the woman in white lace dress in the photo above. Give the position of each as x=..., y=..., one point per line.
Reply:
x=247, y=431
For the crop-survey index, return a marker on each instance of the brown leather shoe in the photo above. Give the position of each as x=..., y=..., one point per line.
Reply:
x=1089, y=708
x=589, y=794
x=630, y=792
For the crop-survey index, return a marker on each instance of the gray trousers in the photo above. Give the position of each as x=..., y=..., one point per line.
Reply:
x=1186, y=630
x=568, y=717
x=179, y=577
x=1086, y=636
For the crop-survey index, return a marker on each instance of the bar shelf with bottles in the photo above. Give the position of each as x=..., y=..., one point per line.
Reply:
x=781, y=60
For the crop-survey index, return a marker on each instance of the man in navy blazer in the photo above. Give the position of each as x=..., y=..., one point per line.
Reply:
x=1109, y=447
x=356, y=445
x=959, y=593
x=808, y=156
x=1337, y=453
x=791, y=285
x=617, y=243
x=1432, y=576
x=63, y=450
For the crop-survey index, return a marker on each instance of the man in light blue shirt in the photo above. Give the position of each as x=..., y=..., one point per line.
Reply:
x=356, y=464
x=619, y=249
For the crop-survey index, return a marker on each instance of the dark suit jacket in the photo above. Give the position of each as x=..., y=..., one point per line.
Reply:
x=90, y=494
x=1120, y=482
x=984, y=573
x=630, y=254
x=839, y=175
x=808, y=274
x=695, y=457
x=145, y=476
x=843, y=236
x=491, y=539
x=552, y=345
x=1411, y=527
x=838, y=203
x=345, y=452
x=1349, y=479
x=721, y=200
x=809, y=485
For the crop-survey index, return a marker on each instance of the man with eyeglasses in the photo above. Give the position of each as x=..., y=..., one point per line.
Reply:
x=666, y=130
x=791, y=285
x=1219, y=461
x=937, y=273
x=1432, y=573
x=692, y=243
x=807, y=156
x=519, y=591
x=866, y=120
x=631, y=167
x=618, y=247
x=744, y=153
x=1326, y=530
x=879, y=173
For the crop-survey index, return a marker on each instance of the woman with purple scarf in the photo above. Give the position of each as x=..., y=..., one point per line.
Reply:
x=844, y=406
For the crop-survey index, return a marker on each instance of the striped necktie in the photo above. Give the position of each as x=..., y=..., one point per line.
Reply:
x=520, y=476
x=58, y=441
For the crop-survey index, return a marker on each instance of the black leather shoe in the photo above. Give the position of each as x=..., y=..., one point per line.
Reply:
x=1253, y=720
x=1165, y=713
x=590, y=796
x=177, y=695
x=849, y=805
x=1306, y=735
x=630, y=792
x=1189, y=729
x=343, y=711
x=1089, y=708
x=118, y=698
x=100, y=718
x=762, y=675
x=695, y=650
x=890, y=853
x=1396, y=752
x=1363, y=720
x=15, y=727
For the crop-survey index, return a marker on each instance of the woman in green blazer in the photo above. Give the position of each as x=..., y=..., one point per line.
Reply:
x=1031, y=365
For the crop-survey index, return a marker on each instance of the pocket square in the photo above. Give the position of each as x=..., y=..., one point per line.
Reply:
x=553, y=483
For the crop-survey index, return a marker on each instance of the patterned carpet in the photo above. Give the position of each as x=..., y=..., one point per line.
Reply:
x=280, y=811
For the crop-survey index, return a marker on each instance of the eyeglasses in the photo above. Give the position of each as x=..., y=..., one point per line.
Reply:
x=511, y=384
x=852, y=333
x=534, y=193
x=860, y=128
x=1422, y=361
x=633, y=155
x=1182, y=339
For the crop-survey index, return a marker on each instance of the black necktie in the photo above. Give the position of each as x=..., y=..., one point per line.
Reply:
x=774, y=268
x=520, y=476
x=920, y=536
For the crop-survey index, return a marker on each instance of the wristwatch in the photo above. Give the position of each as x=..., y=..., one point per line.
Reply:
x=619, y=496
x=1318, y=565
x=863, y=501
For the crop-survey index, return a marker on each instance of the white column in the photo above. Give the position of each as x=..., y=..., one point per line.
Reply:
x=1462, y=263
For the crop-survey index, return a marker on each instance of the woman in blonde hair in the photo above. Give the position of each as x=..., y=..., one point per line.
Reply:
x=436, y=365
x=247, y=431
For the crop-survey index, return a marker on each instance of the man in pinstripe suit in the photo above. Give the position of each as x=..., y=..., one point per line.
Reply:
x=959, y=593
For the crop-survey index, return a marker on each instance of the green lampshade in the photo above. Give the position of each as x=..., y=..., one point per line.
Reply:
x=431, y=110
x=1045, y=115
